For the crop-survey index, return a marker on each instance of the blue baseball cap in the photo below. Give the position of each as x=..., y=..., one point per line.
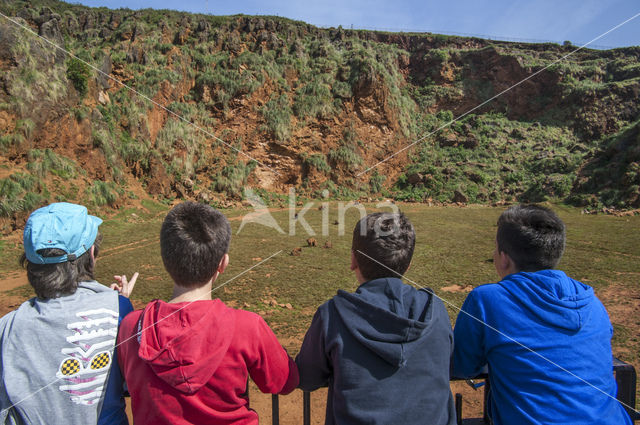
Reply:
x=60, y=225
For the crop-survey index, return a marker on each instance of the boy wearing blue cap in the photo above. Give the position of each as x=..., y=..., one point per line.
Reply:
x=57, y=349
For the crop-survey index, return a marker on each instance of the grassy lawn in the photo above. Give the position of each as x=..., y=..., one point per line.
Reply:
x=454, y=247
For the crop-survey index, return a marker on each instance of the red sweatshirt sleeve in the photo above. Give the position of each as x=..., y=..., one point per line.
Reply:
x=270, y=367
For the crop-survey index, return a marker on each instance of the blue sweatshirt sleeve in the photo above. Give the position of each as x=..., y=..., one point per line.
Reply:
x=313, y=361
x=469, y=353
x=113, y=408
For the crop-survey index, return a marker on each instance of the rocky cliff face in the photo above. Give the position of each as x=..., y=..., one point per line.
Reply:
x=194, y=106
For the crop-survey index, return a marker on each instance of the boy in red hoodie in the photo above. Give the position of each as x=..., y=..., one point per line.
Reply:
x=187, y=361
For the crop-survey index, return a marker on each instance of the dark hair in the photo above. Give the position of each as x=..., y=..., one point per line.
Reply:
x=193, y=239
x=60, y=279
x=532, y=235
x=383, y=238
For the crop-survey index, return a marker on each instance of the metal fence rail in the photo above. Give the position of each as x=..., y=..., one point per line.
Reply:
x=625, y=375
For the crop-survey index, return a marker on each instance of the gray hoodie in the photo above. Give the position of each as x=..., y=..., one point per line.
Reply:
x=56, y=355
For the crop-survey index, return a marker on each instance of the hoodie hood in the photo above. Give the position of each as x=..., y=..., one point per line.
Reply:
x=553, y=297
x=386, y=316
x=184, y=343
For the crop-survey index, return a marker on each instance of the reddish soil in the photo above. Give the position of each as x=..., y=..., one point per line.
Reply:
x=11, y=302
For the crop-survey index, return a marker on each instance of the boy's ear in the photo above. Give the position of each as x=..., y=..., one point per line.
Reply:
x=91, y=253
x=505, y=264
x=354, y=262
x=223, y=263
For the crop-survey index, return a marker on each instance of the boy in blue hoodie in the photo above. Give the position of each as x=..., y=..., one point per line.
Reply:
x=545, y=337
x=384, y=350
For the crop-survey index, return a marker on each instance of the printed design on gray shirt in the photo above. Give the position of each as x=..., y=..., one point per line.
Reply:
x=85, y=367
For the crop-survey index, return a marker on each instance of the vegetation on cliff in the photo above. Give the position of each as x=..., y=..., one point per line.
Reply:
x=213, y=104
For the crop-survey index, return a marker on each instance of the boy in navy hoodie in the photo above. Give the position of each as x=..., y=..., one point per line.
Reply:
x=545, y=337
x=384, y=350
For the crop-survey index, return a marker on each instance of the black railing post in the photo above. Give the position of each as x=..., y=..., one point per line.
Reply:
x=306, y=407
x=487, y=400
x=458, y=408
x=626, y=380
x=275, y=409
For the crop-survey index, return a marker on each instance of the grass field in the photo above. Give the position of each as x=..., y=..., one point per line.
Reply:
x=454, y=247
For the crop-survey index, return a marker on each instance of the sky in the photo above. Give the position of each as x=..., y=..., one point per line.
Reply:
x=578, y=21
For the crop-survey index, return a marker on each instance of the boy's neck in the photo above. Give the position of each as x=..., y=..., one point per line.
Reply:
x=181, y=294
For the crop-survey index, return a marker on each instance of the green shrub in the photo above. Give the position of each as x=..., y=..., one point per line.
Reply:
x=164, y=47
x=233, y=178
x=17, y=194
x=104, y=193
x=26, y=127
x=349, y=134
x=225, y=84
x=363, y=67
x=118, y=56
x=341, y=89
x=102, y=139
x=343, y=191
x=203, y=60
x=78, y=73
x=10, y=140
x=37, y=77
x=80, y=112
x=346, y=156
x=154, y=76
x=43, y=162
x=560, y=184
x=445, y=116
x=375, y=182
x=177, y=135
x=314, y=100
x=134, y=151
x=317, y=161
x=440, y=55
x=536, y=192
x=277, y=114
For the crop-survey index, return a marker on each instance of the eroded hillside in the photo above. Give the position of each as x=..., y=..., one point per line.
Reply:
x=214, y=104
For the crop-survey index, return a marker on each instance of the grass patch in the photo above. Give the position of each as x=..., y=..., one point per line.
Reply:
x=277, y=114
x=317, y=161
x=20, y=193
x=453, y=246
x=314, y=100
x=233, y=178
x=104, y=193
x=78, y=73
x=43, y=162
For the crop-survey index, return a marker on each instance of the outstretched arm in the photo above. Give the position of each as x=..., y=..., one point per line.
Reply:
x=272, y=369
x=313, y=363
x=469, y=354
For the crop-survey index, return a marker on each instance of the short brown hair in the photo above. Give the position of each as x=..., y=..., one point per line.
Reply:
x=532, y=236
x=193, y=239
x=383, y=245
